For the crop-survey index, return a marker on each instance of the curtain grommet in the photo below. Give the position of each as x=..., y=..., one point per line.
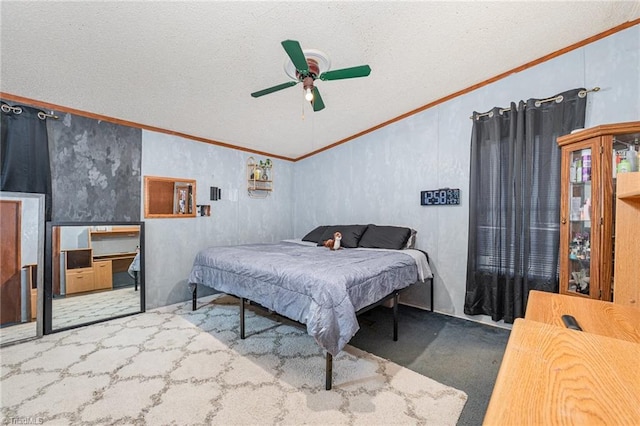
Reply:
x=8, y=108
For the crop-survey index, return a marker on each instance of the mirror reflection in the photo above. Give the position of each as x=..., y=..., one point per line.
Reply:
x=96, y=273
x=22, y=240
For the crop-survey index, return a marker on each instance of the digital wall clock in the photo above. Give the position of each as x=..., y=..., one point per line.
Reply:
x=440, y=197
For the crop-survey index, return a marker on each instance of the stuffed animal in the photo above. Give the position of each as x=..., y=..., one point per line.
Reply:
x=334, y=244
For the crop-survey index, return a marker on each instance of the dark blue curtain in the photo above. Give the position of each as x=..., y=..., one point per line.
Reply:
x=25, y=152
x=514, y=197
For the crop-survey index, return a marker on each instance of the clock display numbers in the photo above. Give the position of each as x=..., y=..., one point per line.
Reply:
x=440, y=197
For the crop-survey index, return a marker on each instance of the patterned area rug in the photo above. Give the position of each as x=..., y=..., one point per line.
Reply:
x=79, y=309
x=175, y=366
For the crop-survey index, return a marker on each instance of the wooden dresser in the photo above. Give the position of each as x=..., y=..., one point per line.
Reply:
x=551, y=375
x=79, y=280
x=108, y=252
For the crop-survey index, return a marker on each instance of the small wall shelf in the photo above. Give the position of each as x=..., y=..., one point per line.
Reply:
x=115, y=231
x=169, y=197
x=259, y=178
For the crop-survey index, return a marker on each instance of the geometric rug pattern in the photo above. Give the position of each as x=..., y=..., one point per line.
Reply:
x=79, y=309
x=175, y=366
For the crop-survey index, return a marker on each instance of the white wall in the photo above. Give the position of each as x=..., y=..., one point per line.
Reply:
x=74, y=237
x=378, y=177
x=31, y=223
x=171, y=244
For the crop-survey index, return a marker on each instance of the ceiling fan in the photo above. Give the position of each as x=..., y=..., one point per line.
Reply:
x=307, y=66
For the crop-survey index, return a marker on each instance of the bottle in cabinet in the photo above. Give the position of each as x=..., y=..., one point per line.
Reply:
x=588, y=178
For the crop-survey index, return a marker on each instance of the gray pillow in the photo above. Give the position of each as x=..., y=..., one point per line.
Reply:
x=351, y=234
x=385, y=237
x=315, y=235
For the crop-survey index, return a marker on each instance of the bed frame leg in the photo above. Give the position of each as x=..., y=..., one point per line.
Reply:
x=242, y=299
x=431, y=294
x=329, y=371
x=194, y=295
x=395, y=316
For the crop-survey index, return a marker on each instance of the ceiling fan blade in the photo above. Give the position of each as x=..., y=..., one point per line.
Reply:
x=296, y=55
x=353, y=72
x=274, y=89
x=317, y=100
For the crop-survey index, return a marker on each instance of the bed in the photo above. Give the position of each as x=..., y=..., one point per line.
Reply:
x=308, y=283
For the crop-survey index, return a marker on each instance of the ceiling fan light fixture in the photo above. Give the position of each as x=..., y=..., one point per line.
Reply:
x=308, y=95
x=305, y=66
x=307, y=86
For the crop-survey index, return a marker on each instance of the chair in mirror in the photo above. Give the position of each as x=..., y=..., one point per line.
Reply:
x=94, y=272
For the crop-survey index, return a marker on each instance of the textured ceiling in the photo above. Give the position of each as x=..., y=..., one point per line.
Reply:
x=190, y=66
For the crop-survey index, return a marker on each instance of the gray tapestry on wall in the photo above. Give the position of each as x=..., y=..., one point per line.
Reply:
x=95, y=170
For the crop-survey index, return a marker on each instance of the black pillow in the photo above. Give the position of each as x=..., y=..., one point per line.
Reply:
x=351, y=234
x=315, y=235
x=386, y=237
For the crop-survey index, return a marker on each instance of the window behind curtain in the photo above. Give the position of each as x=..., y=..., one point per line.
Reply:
x=514, y=229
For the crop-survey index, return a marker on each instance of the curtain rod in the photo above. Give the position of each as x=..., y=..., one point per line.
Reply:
x=558, y=99
x=17, y=110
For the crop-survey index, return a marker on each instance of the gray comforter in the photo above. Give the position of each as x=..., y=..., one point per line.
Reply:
x=312, y=285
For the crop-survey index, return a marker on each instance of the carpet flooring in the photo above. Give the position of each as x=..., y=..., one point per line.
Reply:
x=463, y=354
x=175, y=366
x=79, y=309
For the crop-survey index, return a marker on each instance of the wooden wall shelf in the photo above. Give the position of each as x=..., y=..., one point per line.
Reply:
x=169, y=197
x=121, y=231
x=259, y=178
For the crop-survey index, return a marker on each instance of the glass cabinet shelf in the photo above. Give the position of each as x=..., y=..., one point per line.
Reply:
x=591, y=159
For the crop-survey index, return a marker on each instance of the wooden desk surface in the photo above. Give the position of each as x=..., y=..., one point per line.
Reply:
x=593, y=316
x=552, y=375
x=119, y=261
x=114, y=256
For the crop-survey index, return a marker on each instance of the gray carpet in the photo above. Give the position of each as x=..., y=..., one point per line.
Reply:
x=459, y=353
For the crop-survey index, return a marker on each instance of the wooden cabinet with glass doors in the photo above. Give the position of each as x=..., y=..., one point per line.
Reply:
x=591, y=160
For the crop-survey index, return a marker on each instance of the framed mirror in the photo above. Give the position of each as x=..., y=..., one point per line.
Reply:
x=169, y=197
x=22, y=228
x=93, y=272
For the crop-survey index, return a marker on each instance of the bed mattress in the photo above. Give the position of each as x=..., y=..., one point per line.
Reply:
x=313, y=285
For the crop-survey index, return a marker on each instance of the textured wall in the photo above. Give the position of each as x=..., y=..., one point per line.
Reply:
x=378, y=177
x=374, y=179
x=171, y=244
x=95, y=168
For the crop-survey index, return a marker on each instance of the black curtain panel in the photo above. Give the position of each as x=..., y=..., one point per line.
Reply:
x=514, y=197
x=25, y=153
